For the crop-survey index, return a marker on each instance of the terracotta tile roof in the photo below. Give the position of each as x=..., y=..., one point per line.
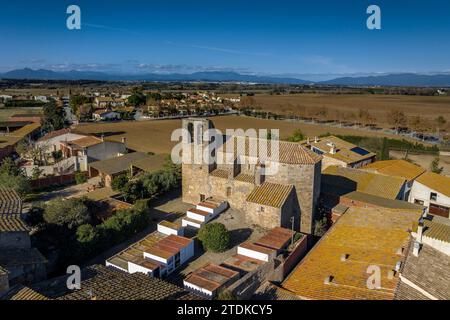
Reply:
x=242, y=263
x=270, y=194
x=12, y=223
x=10, y=202
x=244, y=177
x=169, y=246
x=211, y=277
x=338, y=180
x=345, y=151
x=88, y=141
x=105, y=283
x=199, y=212
x=172, y=225
x=123, y=163
x=380, y=201
x=219, y=173
x=288, y=152
x=429, y=271
x=435, y=182
x=24, y=293
x=435, y=227
x=277, y=238
x=360, y=238
x=396, y=168
x=55, y=133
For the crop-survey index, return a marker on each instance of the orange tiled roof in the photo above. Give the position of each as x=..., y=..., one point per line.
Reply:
x=87, y=141
x=396, y=168
x=288, y=152
x=436, y=182
x=364, y=237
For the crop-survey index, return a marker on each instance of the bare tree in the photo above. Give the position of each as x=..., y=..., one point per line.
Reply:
x=397, y=118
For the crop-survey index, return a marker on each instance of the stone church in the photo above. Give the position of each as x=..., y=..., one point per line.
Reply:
x=268, y=200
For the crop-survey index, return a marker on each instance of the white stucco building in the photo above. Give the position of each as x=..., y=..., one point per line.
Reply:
x=432, y=191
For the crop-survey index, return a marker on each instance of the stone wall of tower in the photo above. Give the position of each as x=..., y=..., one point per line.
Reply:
x=306, y=179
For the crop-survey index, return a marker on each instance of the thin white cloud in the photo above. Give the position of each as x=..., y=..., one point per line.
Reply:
x=218, y=49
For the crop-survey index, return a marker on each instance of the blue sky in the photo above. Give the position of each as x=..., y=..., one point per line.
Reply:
x=265, y=37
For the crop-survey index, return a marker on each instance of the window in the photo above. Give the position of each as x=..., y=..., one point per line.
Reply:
x=439, y=210
x=202, y=197
x=433, y=196
x=419, y=202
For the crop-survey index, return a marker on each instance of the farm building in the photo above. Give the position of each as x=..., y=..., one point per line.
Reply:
x=131, y=163
x=336, y=151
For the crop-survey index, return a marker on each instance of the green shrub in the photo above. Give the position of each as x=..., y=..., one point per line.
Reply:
x=119, y=182
x=214, y=237
x=69, y=213
x=80, y=177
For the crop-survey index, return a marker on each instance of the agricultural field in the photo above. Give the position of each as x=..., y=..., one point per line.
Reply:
x=154, y=135
x=5, y=113
x=378, y=105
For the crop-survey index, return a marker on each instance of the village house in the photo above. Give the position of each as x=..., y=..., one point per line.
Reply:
x=335, y=151
x=267, y=200
x=432, y=191
x=51, y=142
x=131, y=163
x=424, y=274
x=103, y=102
x=9, y=141
x=19, y=262
x=89, y=149
x=338, y=181
x=102, y=283
x=105, y=115
x=397, y=168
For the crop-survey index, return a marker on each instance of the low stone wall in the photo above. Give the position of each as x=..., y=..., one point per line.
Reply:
x=246, y=286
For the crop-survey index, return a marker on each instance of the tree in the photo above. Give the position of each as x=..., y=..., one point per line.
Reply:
x=53, y=117
x=384, y=153
x=397, y=118
x=137, y=97
x=434, y=167
x=86, y=234
x=76, y=101
x=440, y=123
x=214, y=237
x=247, y=102
x=118, y=182
x=296, y=136
x=29, y=149
x=69, y=213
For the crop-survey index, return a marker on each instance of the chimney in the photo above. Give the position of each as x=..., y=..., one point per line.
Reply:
x=416, y=248
x=103, y=137
x=124, y=140
x=391, y=274
x=259, y=175
x=315, y=139
x=328, y=280
x=307, y=140
x=333, y=149
x=399, y=251
x=344, y=257
x=398, y=266
x=420, y=231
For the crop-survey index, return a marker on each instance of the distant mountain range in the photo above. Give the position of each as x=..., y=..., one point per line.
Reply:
x=399, y=79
